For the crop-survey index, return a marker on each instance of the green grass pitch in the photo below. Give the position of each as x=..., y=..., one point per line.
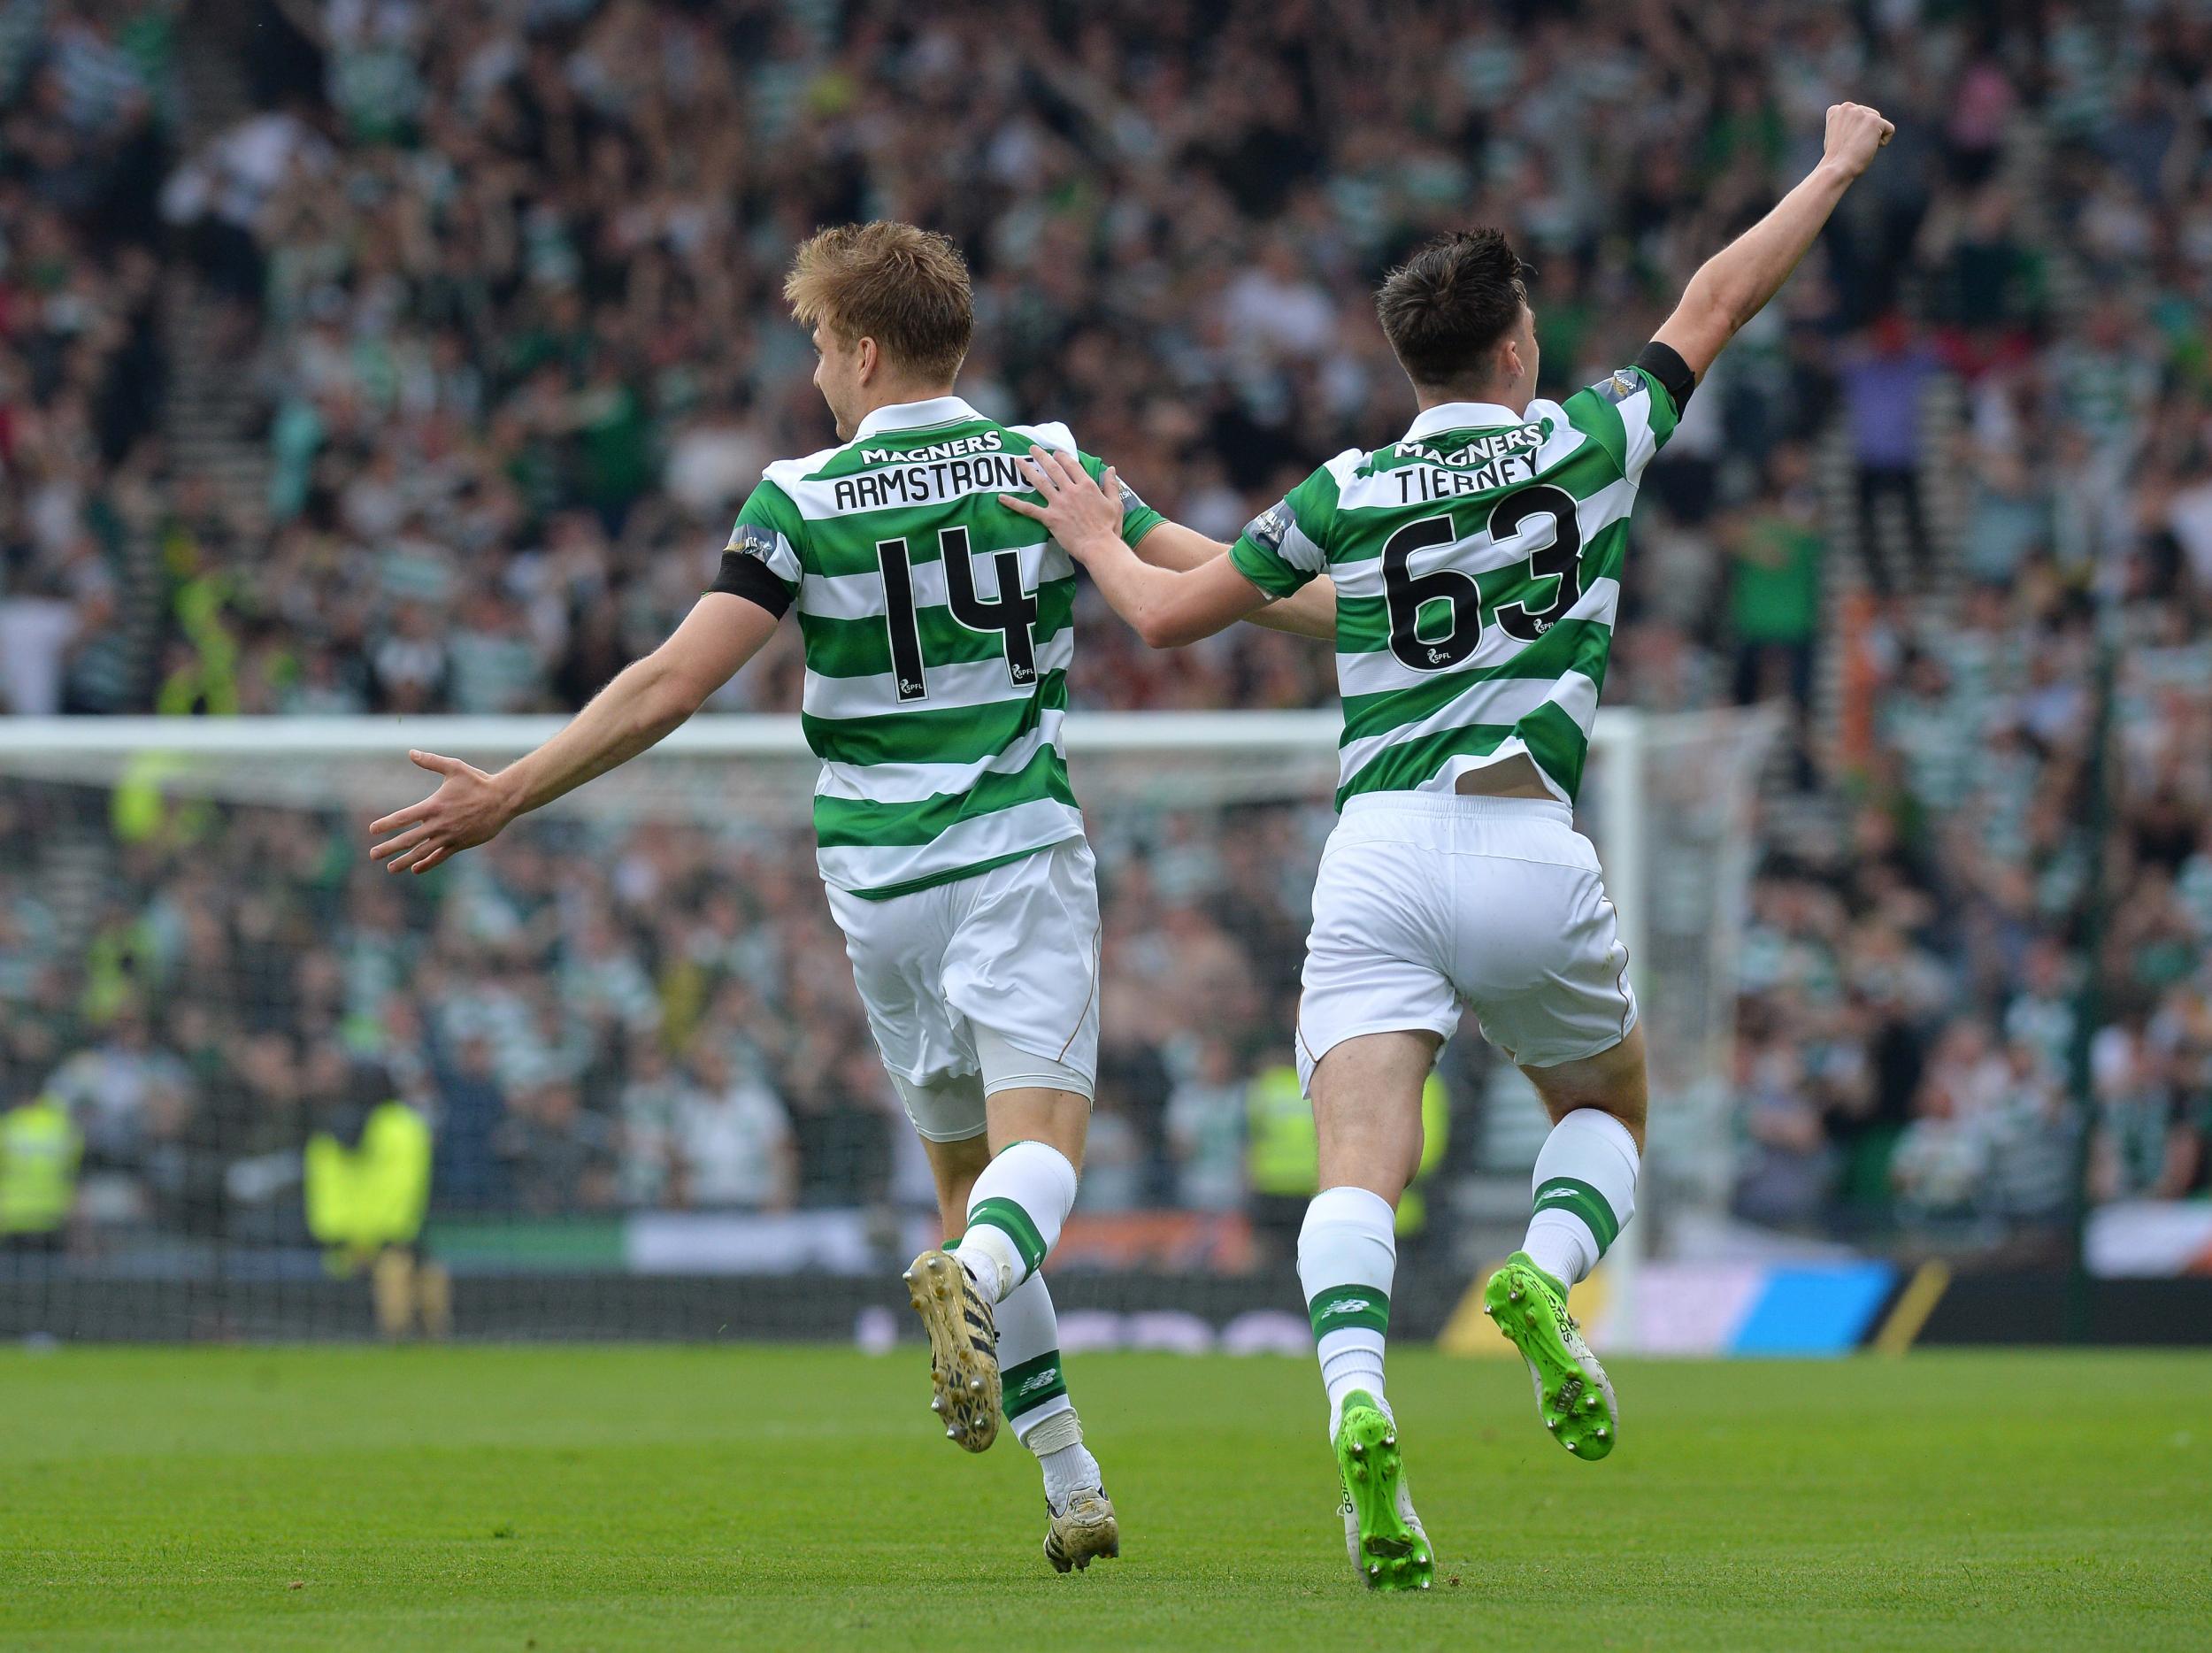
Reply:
x=538, y=1500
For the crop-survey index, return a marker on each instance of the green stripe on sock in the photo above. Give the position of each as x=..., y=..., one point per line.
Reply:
x=1569, y=1194
x=1010, y=1220
x=1346, y=1308
x=1032, y=1383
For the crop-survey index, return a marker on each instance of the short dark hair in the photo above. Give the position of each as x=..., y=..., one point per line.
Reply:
x=1451, y=301
x=905, y=287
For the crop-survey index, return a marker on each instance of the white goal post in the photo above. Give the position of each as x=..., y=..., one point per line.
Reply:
x=1247, y=756
x=1295, y=752
x=1668, y=798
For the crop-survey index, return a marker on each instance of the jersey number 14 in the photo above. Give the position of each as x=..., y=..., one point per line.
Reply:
x=1010, y=614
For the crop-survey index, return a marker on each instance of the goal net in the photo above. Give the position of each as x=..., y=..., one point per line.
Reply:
x=636, y=1096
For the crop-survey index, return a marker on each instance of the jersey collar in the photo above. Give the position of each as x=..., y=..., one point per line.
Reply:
x=915, y=415
x=1464, y=416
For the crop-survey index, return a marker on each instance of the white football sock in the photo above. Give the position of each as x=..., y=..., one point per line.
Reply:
x=1036, y=1391
x=1030, y=1375
x=1347, y=1259
x=1585, y=1192
x=1014, y=1215
x=1069, y=1468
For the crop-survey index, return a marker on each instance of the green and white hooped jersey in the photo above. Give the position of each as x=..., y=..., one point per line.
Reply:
x=938, y=629
x=1478, y=565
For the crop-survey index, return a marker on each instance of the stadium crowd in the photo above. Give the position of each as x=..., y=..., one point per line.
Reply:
x=506, y=281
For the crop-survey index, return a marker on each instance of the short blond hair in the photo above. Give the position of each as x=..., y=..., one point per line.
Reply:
x=903, y=287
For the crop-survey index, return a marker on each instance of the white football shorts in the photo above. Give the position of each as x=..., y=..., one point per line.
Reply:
x=1426, y=903
x=981, y=985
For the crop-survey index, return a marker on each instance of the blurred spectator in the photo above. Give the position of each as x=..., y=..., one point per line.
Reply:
x=2150, y=1132
x=559, y=1156
x=469, y=1171
x=118, y=1089
x=647, y=1121
x=1205, y=1130
x=733, y=1138
x=1884, y=384
x=1943, y=1157
x=1774, y=588
x=37, y=625
x=1788, y=1170
x=841, y=1126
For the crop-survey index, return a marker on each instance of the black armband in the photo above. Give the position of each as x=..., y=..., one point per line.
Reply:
x=1664, y=363
x=742, y=576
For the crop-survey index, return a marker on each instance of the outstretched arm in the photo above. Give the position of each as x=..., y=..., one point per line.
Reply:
x=1168, y=607
x=1310, y=612
x=646, y=699
x=1735, y=284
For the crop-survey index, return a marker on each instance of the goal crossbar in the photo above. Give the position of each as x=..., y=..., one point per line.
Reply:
x=734, y=735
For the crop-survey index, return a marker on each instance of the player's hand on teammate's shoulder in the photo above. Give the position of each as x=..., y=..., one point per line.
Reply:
x=1854, y=132
x=468, y=808
x=1083, y=515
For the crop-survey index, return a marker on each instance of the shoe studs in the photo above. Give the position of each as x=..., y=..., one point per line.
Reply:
x=937, y=1405
x=1601, y=1432
x=1568, y=1445
x=1390, y=1439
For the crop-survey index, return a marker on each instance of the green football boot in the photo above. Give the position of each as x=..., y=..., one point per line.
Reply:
x=1388, y=1546
x=1573, y=1394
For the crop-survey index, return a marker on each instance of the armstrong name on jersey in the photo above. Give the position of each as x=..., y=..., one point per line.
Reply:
x=939, y=628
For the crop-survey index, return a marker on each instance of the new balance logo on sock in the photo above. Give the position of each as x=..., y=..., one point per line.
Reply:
x=1348, y=1254
x=1579, y=1199
x=1342, y=1310
x=1583, y=1190
x=1030, y=1384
